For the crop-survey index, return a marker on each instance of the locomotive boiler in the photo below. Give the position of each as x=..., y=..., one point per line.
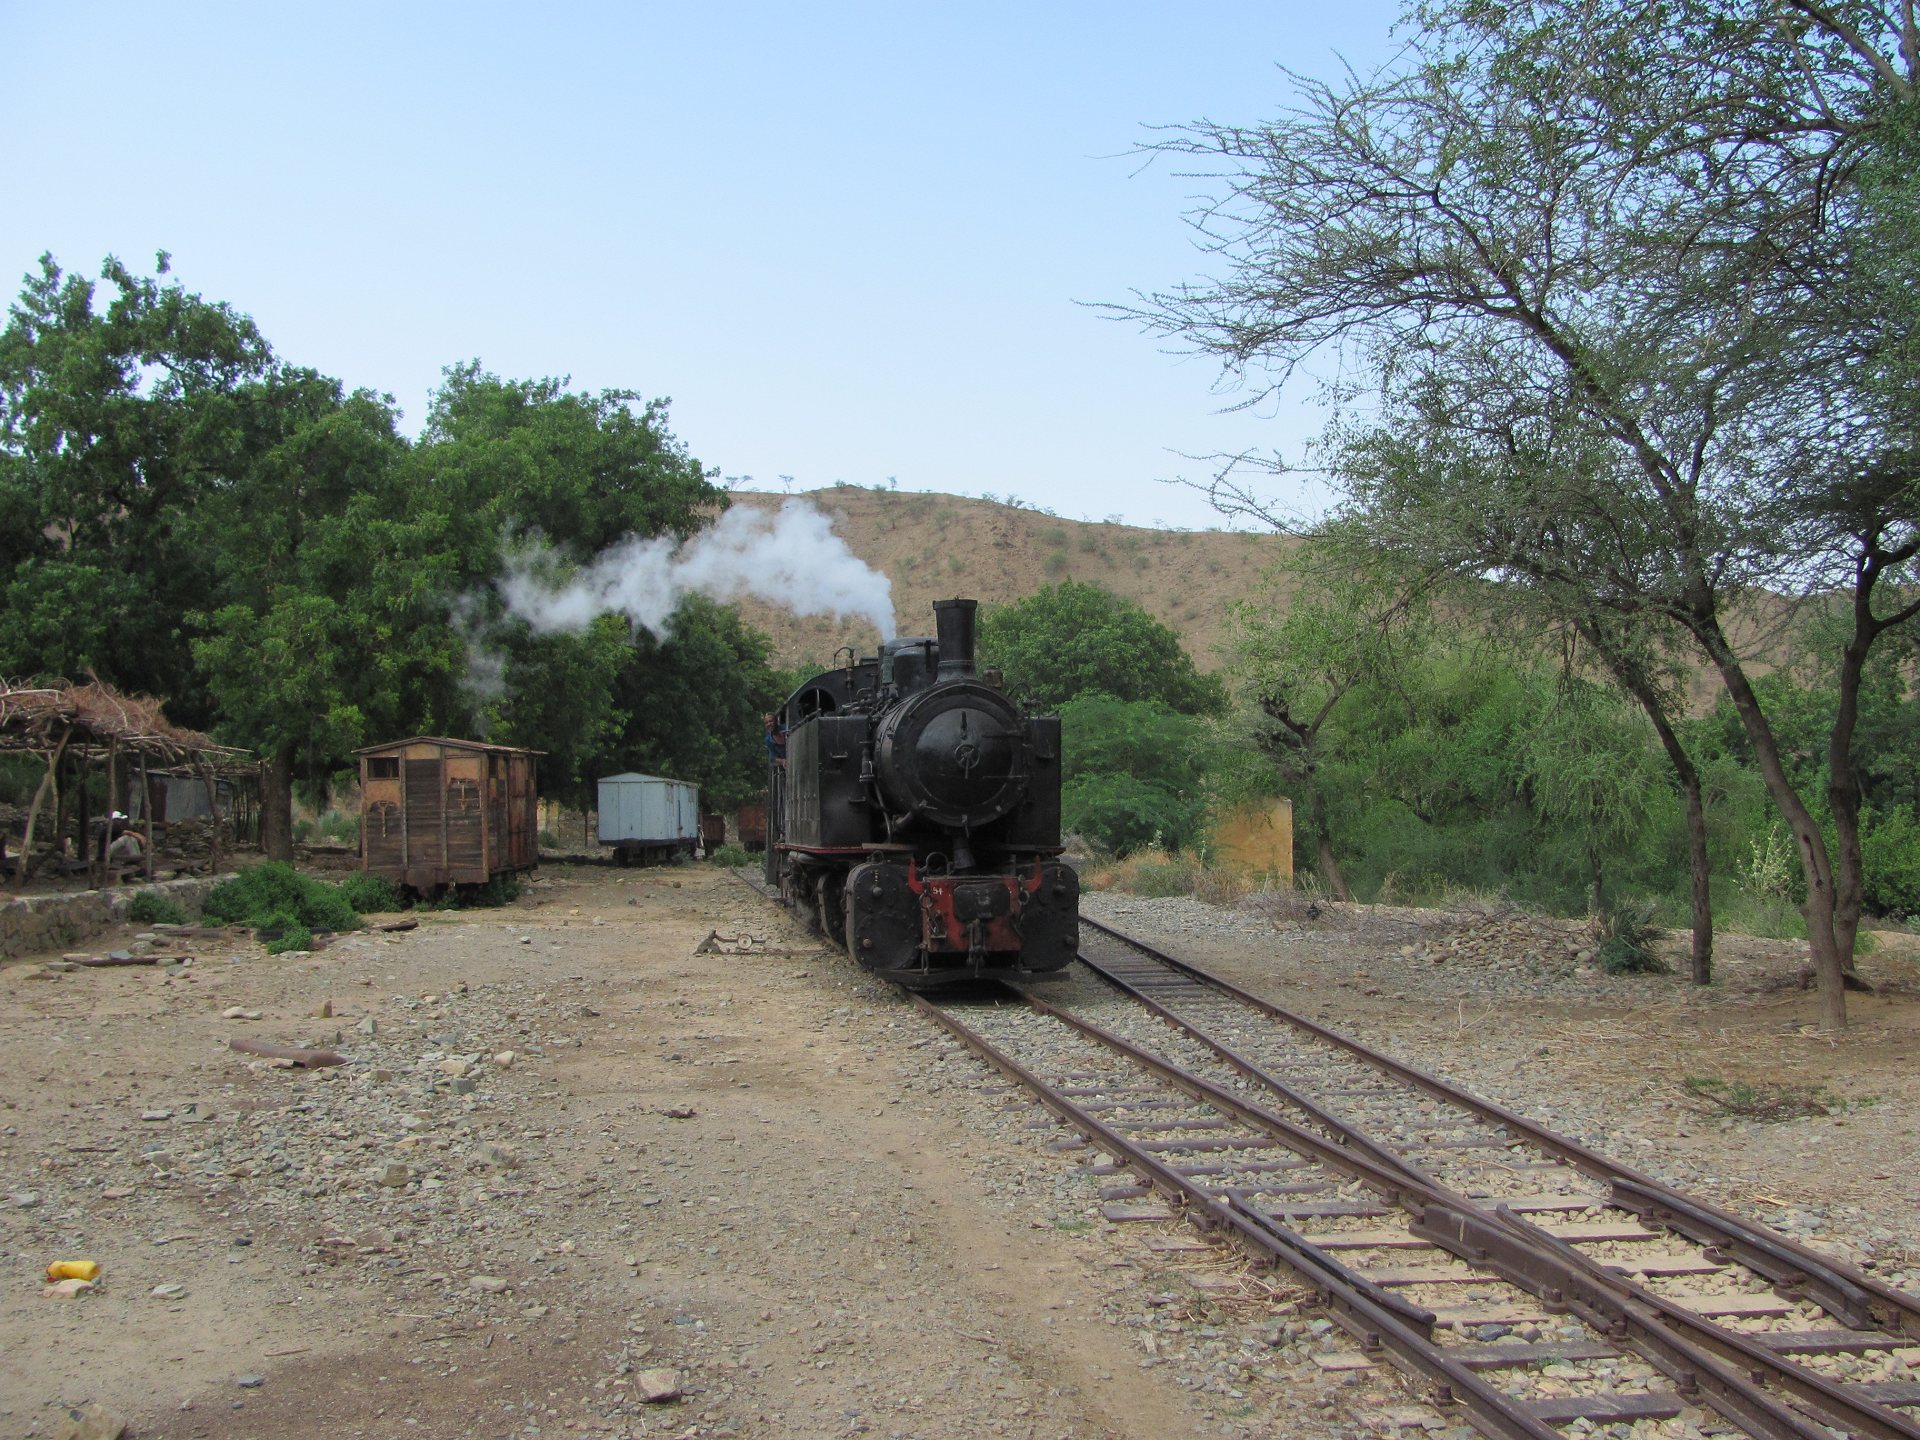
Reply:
x=915, y=814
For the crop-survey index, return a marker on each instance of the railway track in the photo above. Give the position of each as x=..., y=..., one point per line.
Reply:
x=1529, y=1284
x=1436, y=1225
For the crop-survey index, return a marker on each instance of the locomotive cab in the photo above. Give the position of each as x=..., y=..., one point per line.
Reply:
x=917, y=815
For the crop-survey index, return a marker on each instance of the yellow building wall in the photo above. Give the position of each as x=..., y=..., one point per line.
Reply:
x=1257, y=840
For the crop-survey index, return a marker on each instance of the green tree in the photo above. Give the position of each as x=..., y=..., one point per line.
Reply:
x=1074, y=639
x=1627, y=239
x=504, y=457
x=689, y=704
x=1325, y=623
x=120, y=413
x=1588, y=767
x=500, y=459
x=1132, y=773
x=285, y=635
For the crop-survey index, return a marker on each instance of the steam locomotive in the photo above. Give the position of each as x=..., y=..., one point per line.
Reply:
x=915, y=815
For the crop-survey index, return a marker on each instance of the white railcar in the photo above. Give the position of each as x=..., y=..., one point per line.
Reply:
x=648, y=818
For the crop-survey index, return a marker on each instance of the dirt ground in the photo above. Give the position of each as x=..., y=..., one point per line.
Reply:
x=571, y=1152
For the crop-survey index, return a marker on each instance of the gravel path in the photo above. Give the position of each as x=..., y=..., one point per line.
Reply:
x=572, y=1163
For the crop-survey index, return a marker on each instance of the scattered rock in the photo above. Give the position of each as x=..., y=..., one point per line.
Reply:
x=505, y=1059
x=656, y=1387
x=90, y=1422
x=489, y=1284
x=251, y=1382
x=168, y=1292
x=394, y=1176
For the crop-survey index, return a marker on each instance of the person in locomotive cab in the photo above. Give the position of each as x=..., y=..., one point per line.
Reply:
x=776, y=740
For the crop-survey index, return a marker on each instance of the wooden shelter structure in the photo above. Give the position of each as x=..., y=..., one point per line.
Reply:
x=437, y=812
x=64, y=724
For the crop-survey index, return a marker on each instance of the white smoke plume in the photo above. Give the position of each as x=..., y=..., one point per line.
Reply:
x=789, y=558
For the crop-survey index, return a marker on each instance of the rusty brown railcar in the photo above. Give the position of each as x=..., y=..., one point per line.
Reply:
x=751, y=820
x=438, y=812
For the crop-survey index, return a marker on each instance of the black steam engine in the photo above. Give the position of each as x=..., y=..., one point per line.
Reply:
x=916, y=815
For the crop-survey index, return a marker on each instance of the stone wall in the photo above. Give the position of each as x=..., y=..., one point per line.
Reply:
x=39, y=923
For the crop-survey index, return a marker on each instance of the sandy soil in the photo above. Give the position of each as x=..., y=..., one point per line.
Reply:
x=570, y=1152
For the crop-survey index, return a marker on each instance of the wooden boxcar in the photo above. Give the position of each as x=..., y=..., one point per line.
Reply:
x=437, y=812
x=751, y=819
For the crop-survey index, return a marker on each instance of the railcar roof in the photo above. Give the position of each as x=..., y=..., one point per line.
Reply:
x=447, y=740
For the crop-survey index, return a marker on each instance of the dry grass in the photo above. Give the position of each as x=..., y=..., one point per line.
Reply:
x=1157, y=873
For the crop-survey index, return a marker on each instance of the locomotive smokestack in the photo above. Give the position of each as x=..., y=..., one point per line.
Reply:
x=955, y=621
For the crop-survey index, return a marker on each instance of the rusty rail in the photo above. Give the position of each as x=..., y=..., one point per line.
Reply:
x=1553, y=1270
x=1847, y=1293
x=1378, y=1320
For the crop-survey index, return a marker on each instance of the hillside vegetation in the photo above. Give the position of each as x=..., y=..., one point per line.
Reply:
x=935, y=546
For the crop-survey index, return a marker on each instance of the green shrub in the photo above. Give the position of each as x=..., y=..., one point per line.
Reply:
x=731, y=856
x=1890, y=864
x=339, y=828
x=549, y=840
x=1627, y=934
x=151, y=909
x=273, y=897
x=296, y=938
x=370, y=894
x=1122, y=814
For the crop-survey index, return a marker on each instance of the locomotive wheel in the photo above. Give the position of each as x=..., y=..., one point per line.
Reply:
x=830, y=894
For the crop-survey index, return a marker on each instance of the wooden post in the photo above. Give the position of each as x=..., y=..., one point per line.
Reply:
x=83, y=793
x=63, y=801
x=49, y=781
x=113, y=807
x=213, y=815
x=146, y=810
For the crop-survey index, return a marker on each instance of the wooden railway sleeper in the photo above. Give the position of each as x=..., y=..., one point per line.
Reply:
x=1737, y=1396
x=1666, y=1335
x=1756, y=1359
x=1774, y=1256
x=1833, y=1292
x=1395, y=1324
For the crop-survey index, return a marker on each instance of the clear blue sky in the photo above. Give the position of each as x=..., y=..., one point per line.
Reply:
x=848, y=241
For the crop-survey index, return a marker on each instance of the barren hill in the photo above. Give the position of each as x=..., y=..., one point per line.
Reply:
x=934, y=546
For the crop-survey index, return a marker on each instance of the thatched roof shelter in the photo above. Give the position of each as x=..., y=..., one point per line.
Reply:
x=64, y=724
x=95, y=719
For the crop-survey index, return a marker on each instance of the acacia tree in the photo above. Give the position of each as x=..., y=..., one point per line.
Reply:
x=1348, y=623
x=1635, y=233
